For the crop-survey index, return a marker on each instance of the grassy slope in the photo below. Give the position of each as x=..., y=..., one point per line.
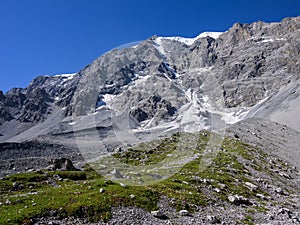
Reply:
x=29, y=195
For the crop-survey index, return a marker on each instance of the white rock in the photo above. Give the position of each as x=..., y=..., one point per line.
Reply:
x=217, y=190
x=222, y=186
x=278, y=190
x=251, y=186
x=123, y=185
x=285, y=175
x=157, y=213
x=132, y=196
x=184, y=212
x=261, y=196
x=231, y=198
x=213, y=219
x=283, y=210
x=8, y=202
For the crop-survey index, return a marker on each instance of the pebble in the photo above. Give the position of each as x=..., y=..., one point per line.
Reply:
x=251, y=186
x=157, y=214
x=57, y=177
x=261, y=196
x=7, y=202
x=283, y=210
x=132, y=196
x=217, y=190
x=222, y=186
x=213, y=219
x=184, y=212
x=123, y=185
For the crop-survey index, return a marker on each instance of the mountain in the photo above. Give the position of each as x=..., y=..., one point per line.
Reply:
x=241, y=84
x=163, y=85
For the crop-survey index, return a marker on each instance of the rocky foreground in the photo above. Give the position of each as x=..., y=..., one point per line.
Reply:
x=242, y=185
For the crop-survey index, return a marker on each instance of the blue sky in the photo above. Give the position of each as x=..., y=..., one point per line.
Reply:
x=39, y=37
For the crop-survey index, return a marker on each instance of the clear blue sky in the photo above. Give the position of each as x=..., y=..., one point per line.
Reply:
x=40, y=37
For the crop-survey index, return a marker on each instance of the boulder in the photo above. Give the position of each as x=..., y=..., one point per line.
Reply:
x=63, y=164
x=116, y=173
x=239, y=200
x=184, y=212
x=213, y=219
x=157, y=214
x=251, y=186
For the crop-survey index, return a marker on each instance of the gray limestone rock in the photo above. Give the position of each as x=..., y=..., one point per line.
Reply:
x=63, y=164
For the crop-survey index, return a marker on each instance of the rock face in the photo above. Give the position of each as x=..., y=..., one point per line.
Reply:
x=22, y=108
x=154, y=106
x=32, y=104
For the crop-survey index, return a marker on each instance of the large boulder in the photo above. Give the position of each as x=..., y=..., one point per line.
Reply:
x=62, y=164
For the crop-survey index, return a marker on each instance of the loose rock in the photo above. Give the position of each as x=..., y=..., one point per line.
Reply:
x=184, y=212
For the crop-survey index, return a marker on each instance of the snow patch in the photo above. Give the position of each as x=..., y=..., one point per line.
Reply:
x=269, y=39
x=109, y=85
x=214, y=35
x=108, y=98
x=67, y=76
x=280, y=39
x=233, y=117
x=137, y=81
x=159, y=46
x=189, y=41
x=266, y=40
x=191, y=118
x=105, y=101
x=227, y=115
x=140, y=79
x=172, y=70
